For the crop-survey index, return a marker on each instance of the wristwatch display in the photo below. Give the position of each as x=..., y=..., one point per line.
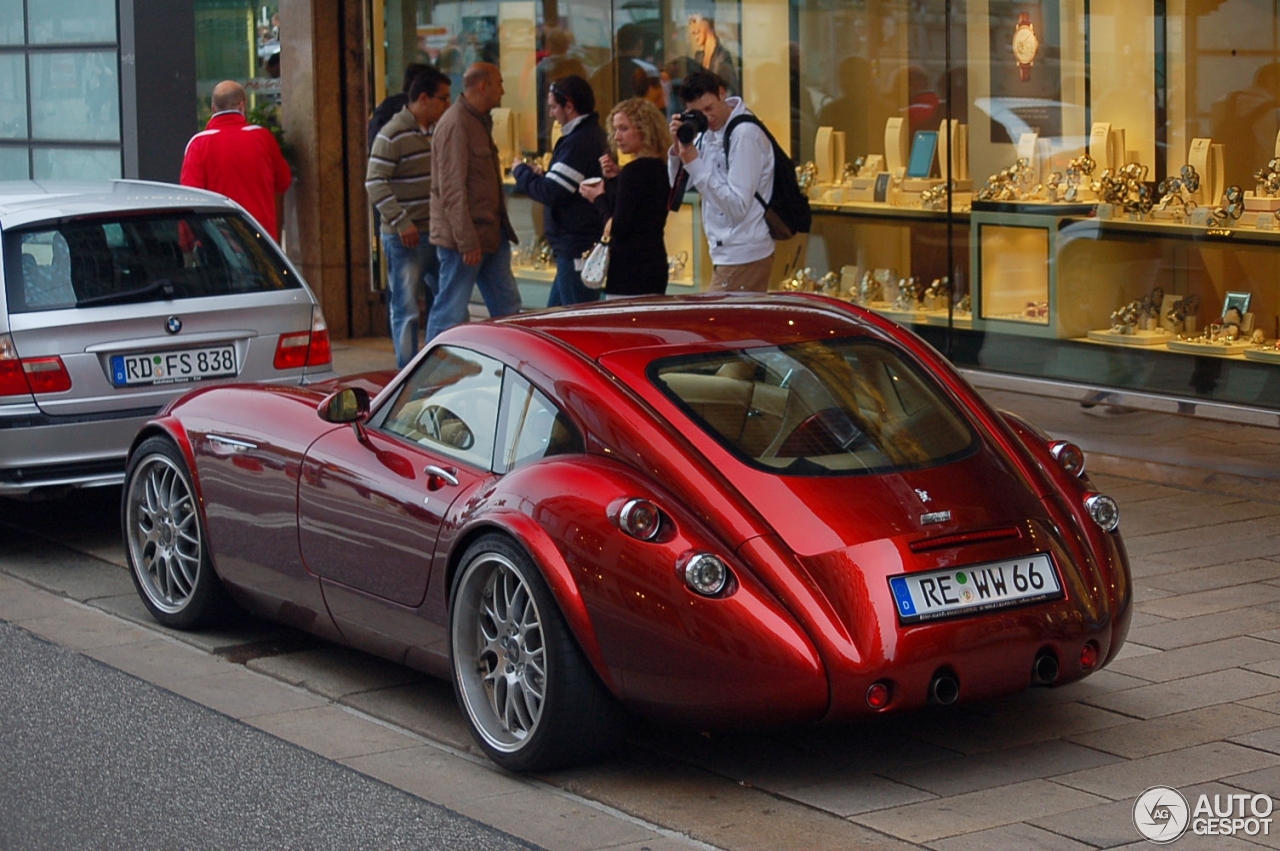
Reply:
x=1025, y=45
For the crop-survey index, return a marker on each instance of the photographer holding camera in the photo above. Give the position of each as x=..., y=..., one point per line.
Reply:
x=737, y=236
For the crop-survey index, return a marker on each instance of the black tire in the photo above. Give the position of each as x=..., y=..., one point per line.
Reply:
x=531, y=699
x=165, y=541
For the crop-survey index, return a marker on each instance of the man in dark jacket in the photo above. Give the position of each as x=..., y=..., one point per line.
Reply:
x=572, y=223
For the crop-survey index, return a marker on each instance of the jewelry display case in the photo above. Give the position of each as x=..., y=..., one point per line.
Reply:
x=534, y=267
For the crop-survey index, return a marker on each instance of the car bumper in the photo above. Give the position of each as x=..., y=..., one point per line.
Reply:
x=39, y=452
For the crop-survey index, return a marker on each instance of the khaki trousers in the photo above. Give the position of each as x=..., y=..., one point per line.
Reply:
x=742, y=277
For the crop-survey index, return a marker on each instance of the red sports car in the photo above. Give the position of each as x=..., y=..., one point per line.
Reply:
x=716, y=510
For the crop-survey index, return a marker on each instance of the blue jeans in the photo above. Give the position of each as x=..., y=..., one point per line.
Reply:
x=492, y=275
x=408, y=270
x=567, y=288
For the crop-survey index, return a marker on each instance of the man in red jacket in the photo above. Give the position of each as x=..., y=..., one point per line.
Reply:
x=237, y=159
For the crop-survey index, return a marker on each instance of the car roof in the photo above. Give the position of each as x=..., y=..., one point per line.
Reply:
x=26, y=201
x=709, y=321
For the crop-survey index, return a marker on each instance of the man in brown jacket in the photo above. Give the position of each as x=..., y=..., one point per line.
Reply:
x=469, y=223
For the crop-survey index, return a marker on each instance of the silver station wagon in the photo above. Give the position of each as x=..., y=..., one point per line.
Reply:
x=119, y=297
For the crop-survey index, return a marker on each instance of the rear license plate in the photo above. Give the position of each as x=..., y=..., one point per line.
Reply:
x=975, y=589
x=173, y=367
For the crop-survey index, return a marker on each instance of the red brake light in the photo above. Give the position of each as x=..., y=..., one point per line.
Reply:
x=47, y=375
x=319, y=353
x=305, y=348
x=20, y=377
x=291, y=351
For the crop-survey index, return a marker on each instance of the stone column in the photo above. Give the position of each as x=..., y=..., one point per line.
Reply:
x=324, y=111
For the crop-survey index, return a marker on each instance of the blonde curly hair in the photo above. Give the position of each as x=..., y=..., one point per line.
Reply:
x=649, y=120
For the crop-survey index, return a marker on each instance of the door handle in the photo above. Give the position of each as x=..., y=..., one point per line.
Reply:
x=437, y=477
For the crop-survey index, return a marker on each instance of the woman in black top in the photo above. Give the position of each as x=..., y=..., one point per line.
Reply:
x=635, y=196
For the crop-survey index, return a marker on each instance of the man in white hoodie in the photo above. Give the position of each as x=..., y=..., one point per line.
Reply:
x=732, y=215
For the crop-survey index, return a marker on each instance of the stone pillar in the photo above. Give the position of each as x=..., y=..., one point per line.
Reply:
x=324, y=111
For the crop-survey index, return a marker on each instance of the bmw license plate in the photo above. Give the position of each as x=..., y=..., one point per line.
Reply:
x=173, y=367
x=975, y=589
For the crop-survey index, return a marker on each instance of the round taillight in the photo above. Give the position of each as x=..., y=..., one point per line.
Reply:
x=1104, y=511
x=640, y=519
x=1070, y=456
x=705, y=574
x=878, y=695
x=1088, y=656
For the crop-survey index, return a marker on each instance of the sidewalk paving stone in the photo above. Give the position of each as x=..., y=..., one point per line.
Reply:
x=1211, y=602
x=1163, y=665
x=1186, y=767
x=1170, y=634
x=1194, y=692
x=333, y=732
x=857, y=794
x=959, y=775
x=1179, y=731
x=1258, y=570
x=974, y=811
x=1010, y=837
x=335, y=672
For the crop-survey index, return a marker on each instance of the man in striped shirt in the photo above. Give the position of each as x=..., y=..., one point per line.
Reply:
x=398, y=181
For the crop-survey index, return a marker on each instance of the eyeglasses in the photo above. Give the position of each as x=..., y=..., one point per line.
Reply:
x=443, y=98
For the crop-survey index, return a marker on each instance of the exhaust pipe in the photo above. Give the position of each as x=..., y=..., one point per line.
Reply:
x=944, y=689
x=1044, y=671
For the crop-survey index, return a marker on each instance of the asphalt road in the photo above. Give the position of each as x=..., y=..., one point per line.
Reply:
x=95, y=758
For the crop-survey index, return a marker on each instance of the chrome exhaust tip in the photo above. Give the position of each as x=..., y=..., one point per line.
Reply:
x=1044, y=671
x=944, y=689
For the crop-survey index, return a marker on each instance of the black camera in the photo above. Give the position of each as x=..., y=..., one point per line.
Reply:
x=691, y=124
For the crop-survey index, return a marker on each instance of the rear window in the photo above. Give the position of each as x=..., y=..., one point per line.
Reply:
x=128, y=260
x=840, y=407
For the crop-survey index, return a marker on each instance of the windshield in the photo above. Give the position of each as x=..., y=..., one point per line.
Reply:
x=141, y=258
x=841, y=407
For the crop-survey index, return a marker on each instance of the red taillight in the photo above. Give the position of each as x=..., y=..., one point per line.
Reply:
x=20, y=377
x=319, y=354
x=46, y=375
x=291, y=351
x=305, y=348
x=878, y=695
x=1088, y=656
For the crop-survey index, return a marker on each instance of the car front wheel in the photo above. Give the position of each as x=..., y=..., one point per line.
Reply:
x=165, y=541
x=531, y=699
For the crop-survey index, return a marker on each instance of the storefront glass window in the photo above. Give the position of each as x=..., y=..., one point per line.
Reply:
x=13, y=96
x=75, y=164
x=75, y=96
x=72, y=21
x=13, y=164
x=12, y=24
x=238, y=40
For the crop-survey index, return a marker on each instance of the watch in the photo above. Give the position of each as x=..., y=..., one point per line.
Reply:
x=1025, y=45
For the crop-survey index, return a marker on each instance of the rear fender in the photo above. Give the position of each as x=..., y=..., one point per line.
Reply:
x=542, y=549
x=171, y=428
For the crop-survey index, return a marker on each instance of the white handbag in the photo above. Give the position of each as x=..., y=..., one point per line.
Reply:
x=595, y=263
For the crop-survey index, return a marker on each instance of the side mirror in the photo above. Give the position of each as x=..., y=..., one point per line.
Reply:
x=349, y=405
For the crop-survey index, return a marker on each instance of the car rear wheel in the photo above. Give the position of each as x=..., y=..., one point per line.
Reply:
x=531, y=699
x=164, y=540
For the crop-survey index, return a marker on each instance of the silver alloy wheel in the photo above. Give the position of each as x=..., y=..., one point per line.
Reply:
x=501, y=662
x=163, y=529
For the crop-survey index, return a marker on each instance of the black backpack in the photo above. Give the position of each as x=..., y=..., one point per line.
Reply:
x=787, y=210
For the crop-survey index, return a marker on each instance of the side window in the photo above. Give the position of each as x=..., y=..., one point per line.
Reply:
x=532, y=427
x=450, y=405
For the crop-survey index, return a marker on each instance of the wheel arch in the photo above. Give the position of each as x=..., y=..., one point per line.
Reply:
x=525, y=533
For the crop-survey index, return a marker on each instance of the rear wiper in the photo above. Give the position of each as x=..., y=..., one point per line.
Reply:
x=160, y=286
